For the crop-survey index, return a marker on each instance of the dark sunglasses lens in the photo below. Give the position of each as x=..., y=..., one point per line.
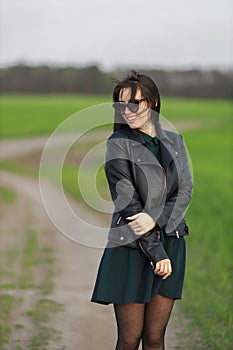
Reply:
x=133, y=107
x=119, y=107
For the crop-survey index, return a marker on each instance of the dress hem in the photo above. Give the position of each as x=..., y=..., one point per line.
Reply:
x=102, y=302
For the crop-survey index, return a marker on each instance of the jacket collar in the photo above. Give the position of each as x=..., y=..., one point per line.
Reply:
x=133, y=134
x=167, y=153
x=162, y=135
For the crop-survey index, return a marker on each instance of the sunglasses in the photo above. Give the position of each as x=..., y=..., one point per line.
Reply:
x=132, y=106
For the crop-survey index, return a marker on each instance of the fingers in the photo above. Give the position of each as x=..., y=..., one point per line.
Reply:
x=141, y=223
x=133, y=217
x=139, y=233
x=166, y=275
x=136, y=225
x=163, y=268
x=137, y=229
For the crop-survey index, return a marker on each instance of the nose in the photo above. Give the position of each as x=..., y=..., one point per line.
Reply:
x=127, y=111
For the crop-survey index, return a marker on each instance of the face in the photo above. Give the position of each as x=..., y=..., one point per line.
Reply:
x=139, y=119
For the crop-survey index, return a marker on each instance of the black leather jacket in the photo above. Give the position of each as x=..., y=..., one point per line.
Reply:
x=138, y=183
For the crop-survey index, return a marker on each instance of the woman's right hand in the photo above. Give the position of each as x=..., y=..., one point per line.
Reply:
x=163, y=268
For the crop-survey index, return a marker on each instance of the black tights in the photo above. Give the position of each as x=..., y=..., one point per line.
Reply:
x=143, y=321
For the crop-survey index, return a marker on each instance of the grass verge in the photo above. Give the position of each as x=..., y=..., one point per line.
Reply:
x=7, y=194
x=44, y=310
x=26, y=277
x=6, y=304
x=208, y=288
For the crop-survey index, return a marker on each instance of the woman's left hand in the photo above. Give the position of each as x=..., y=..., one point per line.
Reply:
x=141, y=223
x=163, y=268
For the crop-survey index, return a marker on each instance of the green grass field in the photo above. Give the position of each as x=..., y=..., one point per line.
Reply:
x=40, y=114
x=23, y=115
x=208, y=285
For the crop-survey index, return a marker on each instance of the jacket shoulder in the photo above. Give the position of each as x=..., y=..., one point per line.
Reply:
x=119, y=134
x=172, y=135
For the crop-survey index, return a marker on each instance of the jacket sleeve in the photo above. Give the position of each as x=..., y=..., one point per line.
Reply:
x=174, y=208
x=152, y=247
x=125, y=197
x=118, y=172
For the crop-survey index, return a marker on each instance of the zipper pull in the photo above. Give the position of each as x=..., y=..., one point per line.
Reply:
x=158, y=233
x=177, y=234
x=118, y=221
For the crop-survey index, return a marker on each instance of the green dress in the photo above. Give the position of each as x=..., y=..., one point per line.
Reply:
x=126, y=276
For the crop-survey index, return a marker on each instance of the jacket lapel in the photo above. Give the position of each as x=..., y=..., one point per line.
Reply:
x=166, y=157
x=167, y=151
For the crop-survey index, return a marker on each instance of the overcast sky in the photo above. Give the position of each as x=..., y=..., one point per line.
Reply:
x=166, y=33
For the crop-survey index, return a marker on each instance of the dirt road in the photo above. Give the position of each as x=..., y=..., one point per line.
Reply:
x=82, y=325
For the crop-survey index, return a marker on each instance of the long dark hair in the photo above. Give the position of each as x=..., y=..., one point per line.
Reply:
x=148, y=89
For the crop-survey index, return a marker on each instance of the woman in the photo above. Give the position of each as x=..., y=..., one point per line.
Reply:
x=142, y=269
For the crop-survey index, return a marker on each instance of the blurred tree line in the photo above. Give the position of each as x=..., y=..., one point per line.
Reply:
x=23, y=78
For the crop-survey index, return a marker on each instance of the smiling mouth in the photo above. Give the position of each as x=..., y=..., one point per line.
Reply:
x=131, y=119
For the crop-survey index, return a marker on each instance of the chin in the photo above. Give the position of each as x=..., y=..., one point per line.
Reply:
x=133, y=126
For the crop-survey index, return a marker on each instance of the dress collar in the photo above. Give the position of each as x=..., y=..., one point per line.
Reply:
x=148, y=139
x=165, y=140
x=134, y=134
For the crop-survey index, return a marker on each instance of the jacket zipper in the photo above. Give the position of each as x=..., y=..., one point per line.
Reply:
x=165, y=182
x=145, y=252
x=176, y=231
x=118, y=221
